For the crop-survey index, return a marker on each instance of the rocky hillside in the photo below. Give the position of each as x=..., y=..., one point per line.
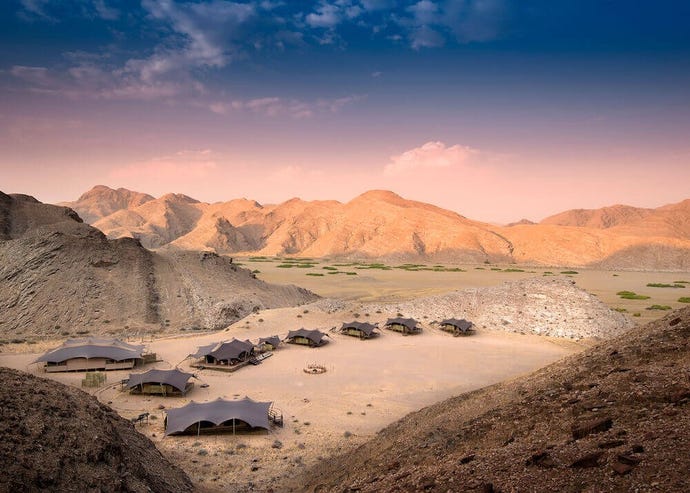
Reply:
x=102, y=201
x=614, y=418
x=380, y=224
x=553, y=307
x=58, y=438
x=61, y=277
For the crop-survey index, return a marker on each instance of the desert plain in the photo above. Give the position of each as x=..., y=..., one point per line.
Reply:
x=368, y=384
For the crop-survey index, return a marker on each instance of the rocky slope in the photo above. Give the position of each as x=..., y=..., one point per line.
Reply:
x=59, y=276
x=553, y=307
x=102, y=201
x=614, y=418
x=380, y=224
x=58, y=438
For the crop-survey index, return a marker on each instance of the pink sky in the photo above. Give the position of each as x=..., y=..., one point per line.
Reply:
x=479, y=184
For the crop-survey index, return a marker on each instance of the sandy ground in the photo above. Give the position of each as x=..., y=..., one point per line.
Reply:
x=368, y=384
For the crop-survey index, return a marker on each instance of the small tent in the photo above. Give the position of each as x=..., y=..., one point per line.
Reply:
x=311, y=338
x=160, y=382
x=457, y=326
x=363, y=330
x=404, y=325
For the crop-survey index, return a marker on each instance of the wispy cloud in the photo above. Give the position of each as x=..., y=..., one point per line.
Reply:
x=276, y=106
x=433, y=154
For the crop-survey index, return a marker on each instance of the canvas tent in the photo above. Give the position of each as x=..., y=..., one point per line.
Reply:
x=218, y=415
x=457, y=326
x=311, y=338
x=92, y=354
x=268, y=343
x=225, y=353
x=163, y=382
x=363, y=330
x=404, y=325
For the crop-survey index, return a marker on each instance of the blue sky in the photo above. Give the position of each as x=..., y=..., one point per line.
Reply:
x=270, y=99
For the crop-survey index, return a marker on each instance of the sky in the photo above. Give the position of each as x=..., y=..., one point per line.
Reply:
x=496, y=109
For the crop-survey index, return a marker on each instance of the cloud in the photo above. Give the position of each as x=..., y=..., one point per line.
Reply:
x=326, y=16
x=179, y=167
x=433, y=154
x=276, y=106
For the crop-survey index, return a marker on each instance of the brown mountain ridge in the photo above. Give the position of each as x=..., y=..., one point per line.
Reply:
x=380, y=224
x=58, y=275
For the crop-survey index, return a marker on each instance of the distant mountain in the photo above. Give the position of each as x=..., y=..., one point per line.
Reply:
x=382, y=225
x=102, y=201
x=59, y=276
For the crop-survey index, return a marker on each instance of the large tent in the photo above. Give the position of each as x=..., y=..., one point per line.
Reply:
x=307, y=337
x=92, y=354
x=165, y=382
x=225, y=352
x=363, y=330
x=220, y=414
x=404, y=325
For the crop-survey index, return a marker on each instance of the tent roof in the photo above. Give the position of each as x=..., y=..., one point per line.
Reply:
x=231, y=350
x=316, y=336
x=254, y=413
x=175, y=378
x=273, y=340
x=204, y=350
x=365, y=327
x=113, y=349
x=410, y=323
x=461, y=324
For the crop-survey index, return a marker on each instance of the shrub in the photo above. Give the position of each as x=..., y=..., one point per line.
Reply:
x=659, y=307
x=315, y=274
x=684, y=299
x=621, y=310
x=514, y=270
x=637, y=314
x=664, y=285
x=631, y=295
x=570, y=272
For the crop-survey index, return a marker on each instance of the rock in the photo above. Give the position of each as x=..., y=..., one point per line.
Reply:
x=588, y=460
x=541, y=459
x=621, y=469
x=582, y=429
x=611, y=444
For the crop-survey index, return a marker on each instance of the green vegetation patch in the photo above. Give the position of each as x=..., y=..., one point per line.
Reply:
x=373, y=266
x=664, y=285
x=514, y=270
x=659, y=307
x=621, y=310
x=328, y=267
x=496, y=268
x=315, y=274
x=681, y=282
x=569, y=272
x=296, y=264
x=631, y=295
x=684, y=299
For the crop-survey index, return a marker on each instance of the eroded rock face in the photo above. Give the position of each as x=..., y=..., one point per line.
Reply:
x=60, y=277
x=58, y=438
x=613, y=418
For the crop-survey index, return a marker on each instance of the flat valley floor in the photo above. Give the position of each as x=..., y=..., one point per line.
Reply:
x=368, y=384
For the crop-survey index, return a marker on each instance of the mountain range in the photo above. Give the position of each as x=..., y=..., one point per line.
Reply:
x=382, y=225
